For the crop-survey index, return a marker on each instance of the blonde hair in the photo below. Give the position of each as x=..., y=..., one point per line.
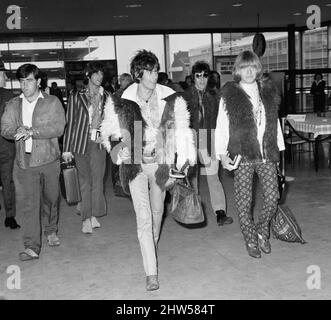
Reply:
x=244, y=59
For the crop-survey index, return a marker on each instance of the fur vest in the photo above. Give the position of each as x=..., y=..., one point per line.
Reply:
x=123, y=119
x=242, y=126
x=210, y=100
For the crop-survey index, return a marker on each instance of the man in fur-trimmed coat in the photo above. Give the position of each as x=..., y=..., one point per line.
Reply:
x=153, y=122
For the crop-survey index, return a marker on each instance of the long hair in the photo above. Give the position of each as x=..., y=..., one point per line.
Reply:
x=244, y=59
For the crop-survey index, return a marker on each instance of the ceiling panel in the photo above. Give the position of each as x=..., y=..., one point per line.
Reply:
x=116, y=16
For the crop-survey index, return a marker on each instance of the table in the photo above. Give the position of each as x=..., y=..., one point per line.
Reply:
x=317, y=126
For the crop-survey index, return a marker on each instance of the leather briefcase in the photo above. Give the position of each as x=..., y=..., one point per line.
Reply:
x=69, y=182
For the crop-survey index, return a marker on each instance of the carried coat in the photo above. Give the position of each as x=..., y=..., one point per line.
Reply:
x=123, y=118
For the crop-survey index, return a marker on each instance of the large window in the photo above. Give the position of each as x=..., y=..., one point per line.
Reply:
x=127, y=47
x=185, y=50
x=226, y=47
x=45, y=52
x=176, y=52
x=314, y=56
x=78, y=50
x=276, y=54
x=315, y=46
x=4, y=53
x=89, y=48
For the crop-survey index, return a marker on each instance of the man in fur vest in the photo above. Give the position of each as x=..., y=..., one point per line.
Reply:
x=153, y=122
x=203, y=105
x=247, y=125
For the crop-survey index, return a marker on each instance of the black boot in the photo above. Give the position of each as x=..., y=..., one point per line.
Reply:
x=11, y=223
x=221, y=218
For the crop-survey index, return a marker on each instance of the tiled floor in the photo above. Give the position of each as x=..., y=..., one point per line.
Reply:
x=205, y=263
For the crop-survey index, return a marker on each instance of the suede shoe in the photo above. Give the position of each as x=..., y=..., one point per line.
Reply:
x=221, y=218
x=264, y=243
x=253, y=250
x=152, y=283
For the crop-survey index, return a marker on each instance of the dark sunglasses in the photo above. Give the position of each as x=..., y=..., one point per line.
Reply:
x=205, y=75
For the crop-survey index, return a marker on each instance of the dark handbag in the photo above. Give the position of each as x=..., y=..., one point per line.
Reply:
x=185, y=206
x=69, y=183
x=284, y=226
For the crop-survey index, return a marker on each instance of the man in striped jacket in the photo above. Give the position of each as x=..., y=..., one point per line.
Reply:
x=81, y=141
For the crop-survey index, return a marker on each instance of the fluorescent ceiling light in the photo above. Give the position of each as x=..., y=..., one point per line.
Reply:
x=237, y=5
x=122, y=16
x=134, y=5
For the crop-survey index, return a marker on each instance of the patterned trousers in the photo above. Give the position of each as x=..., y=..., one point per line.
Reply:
x=243, y=180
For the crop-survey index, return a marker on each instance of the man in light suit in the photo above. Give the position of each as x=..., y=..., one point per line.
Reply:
x=35, y=120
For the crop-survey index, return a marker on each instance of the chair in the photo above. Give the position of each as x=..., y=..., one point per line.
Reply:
x=296, y=141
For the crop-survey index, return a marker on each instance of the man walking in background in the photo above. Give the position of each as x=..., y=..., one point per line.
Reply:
x=7, y=156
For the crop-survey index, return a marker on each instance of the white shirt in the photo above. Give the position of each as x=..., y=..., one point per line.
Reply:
x=222, y=124
x=153, y=118
x=90, y=109
x=27, y=112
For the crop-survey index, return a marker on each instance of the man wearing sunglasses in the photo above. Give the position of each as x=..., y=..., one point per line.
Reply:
x=203, y=104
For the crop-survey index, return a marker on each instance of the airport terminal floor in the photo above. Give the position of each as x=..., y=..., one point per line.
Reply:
x=204, y=263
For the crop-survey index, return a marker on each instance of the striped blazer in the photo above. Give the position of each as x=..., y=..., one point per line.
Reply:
x=77, y=129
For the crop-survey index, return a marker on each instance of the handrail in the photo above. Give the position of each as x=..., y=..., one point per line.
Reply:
x=303, y=137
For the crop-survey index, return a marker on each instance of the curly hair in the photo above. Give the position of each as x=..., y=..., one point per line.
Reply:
x=143, y=60
x=200, y=66
x=94, y=67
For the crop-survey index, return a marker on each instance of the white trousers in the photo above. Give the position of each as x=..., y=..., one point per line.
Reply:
x=216, y=191
x=148, y=202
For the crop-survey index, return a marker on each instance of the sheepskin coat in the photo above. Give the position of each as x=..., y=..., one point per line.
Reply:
x=123, y=119
x=243, y=129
